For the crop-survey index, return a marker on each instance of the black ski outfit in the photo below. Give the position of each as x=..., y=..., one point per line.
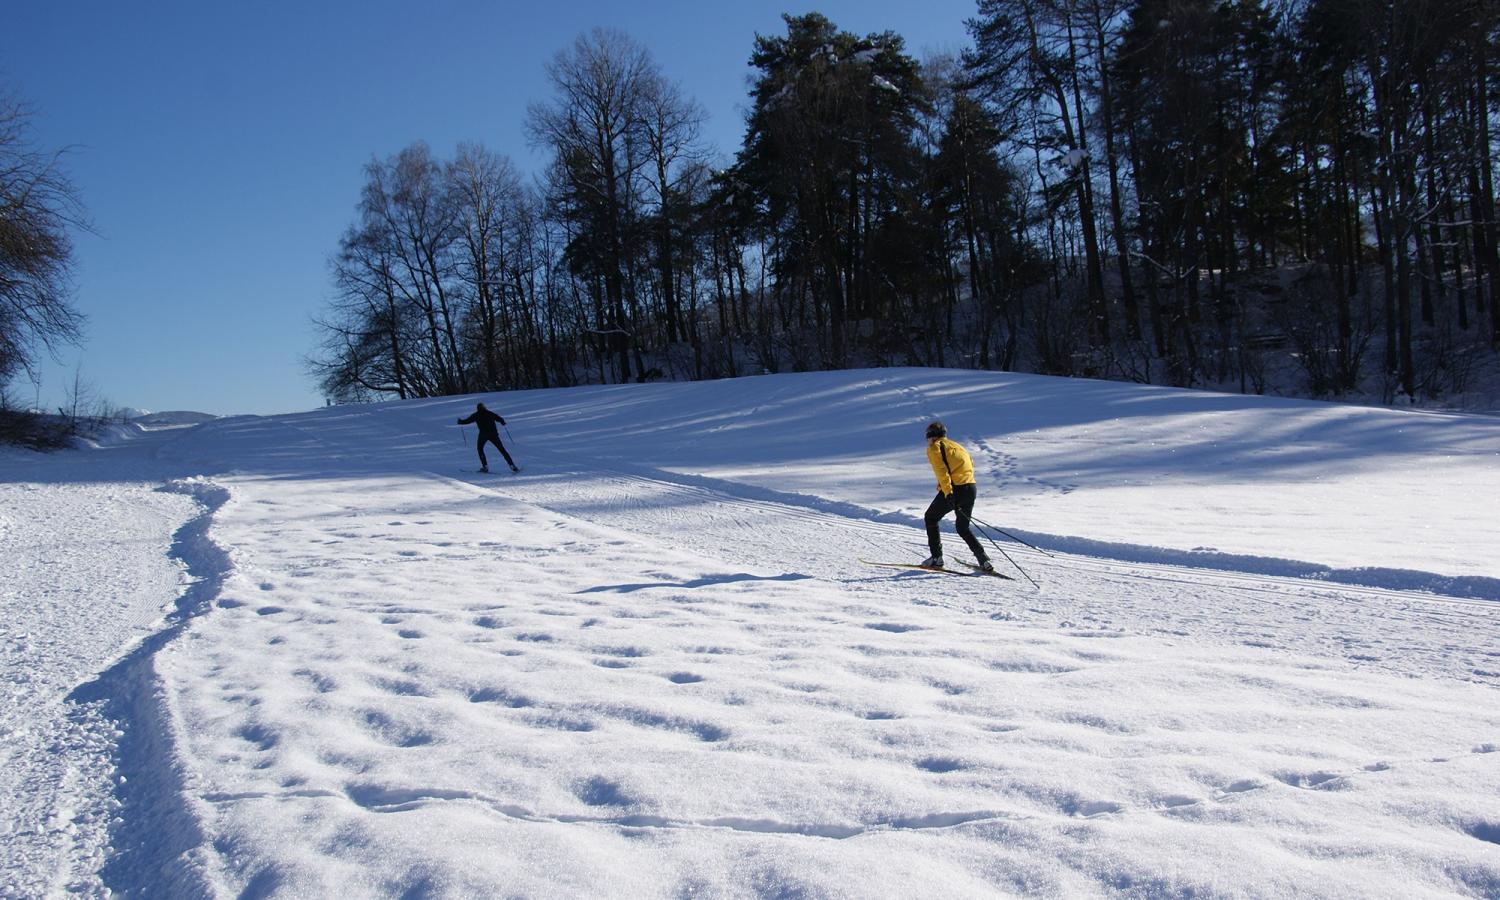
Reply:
x=486, y=421
x=962, y=504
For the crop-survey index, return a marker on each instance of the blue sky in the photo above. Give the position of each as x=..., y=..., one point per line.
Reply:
x=218, y=148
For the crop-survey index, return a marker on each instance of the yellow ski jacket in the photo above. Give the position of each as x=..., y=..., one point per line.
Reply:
x=950, y=463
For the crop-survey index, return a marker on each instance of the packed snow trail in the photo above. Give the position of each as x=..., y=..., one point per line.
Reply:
x=86, y=573
x=652, y=664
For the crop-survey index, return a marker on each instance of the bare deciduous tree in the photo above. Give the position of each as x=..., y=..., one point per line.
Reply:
x=592, y=127
x=38, y=207
x=670, y=124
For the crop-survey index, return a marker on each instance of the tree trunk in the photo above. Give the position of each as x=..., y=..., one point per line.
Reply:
x=1111, y=161
x=1491, y=260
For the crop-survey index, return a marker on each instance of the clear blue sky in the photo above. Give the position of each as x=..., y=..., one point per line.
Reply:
x=218, y=148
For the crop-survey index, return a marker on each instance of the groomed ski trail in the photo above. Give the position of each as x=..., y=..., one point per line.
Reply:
x=1271, y=612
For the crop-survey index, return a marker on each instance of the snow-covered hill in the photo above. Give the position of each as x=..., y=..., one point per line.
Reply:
x=1262, y=659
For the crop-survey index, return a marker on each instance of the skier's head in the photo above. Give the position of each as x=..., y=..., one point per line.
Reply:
x=479, y=406
x=936, y=430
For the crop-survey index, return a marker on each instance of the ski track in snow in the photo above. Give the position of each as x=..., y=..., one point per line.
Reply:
x=615, y=669
x=1250, y=610
x=156, y=838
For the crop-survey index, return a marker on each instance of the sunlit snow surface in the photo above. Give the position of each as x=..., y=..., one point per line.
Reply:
x=1262, y=661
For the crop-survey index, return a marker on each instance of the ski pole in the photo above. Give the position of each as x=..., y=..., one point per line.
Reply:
x=507, y=435
x=1011, y=536
x=1007, y=556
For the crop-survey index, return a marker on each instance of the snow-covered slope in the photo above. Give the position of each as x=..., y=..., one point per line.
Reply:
x=1262, y=659
x=1372, y=496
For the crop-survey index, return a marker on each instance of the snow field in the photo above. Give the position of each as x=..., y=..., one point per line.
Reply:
x=650, y=665
x=600, y=707
x=599, y=675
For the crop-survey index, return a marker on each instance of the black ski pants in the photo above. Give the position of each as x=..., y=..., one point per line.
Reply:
x=961, y=504
x=492, y=438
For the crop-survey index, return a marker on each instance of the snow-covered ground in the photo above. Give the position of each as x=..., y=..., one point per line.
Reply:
x=1263, y=659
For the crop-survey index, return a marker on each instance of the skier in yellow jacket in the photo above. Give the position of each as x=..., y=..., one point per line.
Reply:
x=956, y=494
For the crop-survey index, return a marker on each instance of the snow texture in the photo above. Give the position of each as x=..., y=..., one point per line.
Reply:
x=316, y=655
x=1073, y=158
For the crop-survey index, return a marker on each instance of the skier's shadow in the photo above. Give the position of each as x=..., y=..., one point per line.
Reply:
x=705, y=581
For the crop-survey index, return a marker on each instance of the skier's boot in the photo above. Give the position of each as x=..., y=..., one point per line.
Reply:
x=986, y=567
x=514, y=467
x=932, y=562
x=484, y=468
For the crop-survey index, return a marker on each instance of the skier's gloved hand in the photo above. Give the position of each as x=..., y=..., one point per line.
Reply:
x=502, y=421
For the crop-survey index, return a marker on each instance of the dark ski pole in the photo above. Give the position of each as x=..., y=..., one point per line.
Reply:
x=1011, y=536
x=1007, y=556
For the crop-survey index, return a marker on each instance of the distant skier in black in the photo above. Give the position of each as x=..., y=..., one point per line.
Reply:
x=486, y=421
x=956, y=494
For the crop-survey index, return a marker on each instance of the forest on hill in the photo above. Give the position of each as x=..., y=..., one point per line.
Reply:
x=1285, y=197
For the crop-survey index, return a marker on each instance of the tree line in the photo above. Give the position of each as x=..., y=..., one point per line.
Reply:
x=1172, y=191
x=39, y=210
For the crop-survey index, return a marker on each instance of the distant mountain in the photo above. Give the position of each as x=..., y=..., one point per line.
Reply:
x=174, y=417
